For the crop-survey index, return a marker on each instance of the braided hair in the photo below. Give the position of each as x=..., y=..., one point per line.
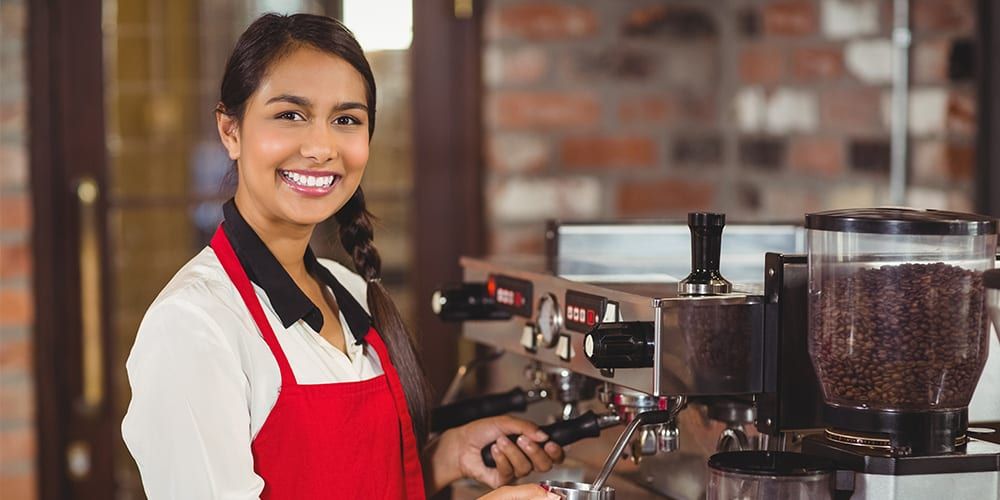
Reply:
x=265, y=41
x=356, y=235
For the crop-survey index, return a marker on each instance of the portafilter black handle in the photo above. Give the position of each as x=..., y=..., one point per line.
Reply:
x=564, y=432
x=460, y=413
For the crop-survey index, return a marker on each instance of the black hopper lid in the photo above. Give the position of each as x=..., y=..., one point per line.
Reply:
x=902, y=221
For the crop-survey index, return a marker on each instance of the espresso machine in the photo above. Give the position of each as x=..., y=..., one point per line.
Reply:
x=839, y=355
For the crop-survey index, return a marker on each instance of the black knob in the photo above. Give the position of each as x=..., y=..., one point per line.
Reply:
x=706, y=249
x=621, y=345
x=468, y=301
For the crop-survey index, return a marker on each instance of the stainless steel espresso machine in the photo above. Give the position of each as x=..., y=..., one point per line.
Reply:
x=831, y=360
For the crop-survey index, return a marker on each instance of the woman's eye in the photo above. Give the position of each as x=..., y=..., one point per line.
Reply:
x=346, y=120
x=290, y=115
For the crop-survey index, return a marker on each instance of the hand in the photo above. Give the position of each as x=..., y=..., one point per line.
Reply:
x=513, y=460
x=522, y=492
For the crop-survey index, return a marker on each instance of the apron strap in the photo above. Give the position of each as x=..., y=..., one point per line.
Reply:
x=231, y=263
x=413, y=470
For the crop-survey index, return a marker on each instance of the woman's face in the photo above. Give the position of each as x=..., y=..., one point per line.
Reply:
x=302, y=145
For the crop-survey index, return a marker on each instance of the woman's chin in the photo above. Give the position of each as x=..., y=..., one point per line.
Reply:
x=310, y=211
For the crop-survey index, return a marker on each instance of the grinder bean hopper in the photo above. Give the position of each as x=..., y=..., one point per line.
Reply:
x=898, y=333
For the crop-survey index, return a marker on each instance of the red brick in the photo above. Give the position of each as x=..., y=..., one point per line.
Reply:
x=851, y=109
x=670, y=109
x=17, y=402
x=20, y=486
x=646, y=110
x=762, y=64
x=542, y=21
x=814, y=155
x=930, y=60
x=15, y=355
x=16, y=308
x=17, y=444
x=608, y=152
x=790, y=18
x=961, y=114
x=664, y=197
x=15, y=212
x=944, y=15
x=961, y=159
x=15, y=260
x=545, y=109
x=818, y=63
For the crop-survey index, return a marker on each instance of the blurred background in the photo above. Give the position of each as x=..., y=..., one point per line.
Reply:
x=494, y=116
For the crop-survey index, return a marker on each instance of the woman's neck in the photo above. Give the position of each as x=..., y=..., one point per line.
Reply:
x=286, y=241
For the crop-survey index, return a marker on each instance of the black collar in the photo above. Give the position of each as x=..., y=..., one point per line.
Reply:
x=289, y=301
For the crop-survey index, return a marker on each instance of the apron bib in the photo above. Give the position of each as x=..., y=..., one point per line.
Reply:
x=326, y=441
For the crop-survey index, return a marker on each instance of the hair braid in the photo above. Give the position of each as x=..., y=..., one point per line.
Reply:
x=356, y=236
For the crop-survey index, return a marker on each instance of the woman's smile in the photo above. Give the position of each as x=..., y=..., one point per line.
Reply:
x=310, y=183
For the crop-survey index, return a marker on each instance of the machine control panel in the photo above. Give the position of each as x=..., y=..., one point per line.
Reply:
x=584, y=311
x=511, y=294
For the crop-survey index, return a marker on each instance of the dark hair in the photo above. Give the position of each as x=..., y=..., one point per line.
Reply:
x=269, y=38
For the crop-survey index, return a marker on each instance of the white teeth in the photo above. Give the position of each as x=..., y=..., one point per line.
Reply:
x=309, y=180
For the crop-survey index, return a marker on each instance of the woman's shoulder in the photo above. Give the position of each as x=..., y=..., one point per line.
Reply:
x=201, y=279
x=198, y=300
x=351, y=280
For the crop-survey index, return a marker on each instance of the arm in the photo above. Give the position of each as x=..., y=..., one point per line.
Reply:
x=188, y=424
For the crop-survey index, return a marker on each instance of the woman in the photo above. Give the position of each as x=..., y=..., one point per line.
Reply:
x=262, y=371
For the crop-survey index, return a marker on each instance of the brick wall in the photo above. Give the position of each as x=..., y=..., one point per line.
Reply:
x=764, y=109
x=17, y=406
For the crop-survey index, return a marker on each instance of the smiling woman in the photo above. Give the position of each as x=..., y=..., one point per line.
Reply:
x=254, y=368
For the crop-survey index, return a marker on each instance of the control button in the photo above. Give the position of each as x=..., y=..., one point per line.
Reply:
x=588, y=345
x=611, y=313
x=528, y=338
x=564, y=349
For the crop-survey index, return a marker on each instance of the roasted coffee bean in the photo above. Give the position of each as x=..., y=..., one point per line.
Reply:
x=909, y=336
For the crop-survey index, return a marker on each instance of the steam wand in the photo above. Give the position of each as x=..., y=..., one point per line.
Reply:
x=644, y=418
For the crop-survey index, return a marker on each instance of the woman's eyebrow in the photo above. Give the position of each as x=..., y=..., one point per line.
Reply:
x=292, y=99
x=344, y=106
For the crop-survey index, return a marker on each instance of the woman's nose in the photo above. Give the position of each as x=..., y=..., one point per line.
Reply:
x=319, y=144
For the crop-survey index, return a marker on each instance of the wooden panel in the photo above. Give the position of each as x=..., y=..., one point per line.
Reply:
x=447, y=168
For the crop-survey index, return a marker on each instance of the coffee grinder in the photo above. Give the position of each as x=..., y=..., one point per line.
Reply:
x=898, y=337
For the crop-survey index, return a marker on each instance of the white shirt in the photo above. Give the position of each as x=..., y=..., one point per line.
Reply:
x=204, y=381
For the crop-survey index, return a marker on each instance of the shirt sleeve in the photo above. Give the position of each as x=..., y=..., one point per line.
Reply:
x=188, y=423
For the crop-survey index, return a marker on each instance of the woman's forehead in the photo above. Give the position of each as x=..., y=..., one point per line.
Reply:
x=316, y=75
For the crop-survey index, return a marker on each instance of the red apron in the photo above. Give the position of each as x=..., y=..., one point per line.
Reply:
x=341, y=440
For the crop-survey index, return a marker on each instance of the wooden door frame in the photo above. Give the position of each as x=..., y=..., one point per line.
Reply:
x=447, y=134
x=65, y=79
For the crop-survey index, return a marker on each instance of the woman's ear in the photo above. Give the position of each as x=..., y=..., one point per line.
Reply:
x=228, y=132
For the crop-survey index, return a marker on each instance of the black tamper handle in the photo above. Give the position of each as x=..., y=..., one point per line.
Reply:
x=706, y=250
x=562, y=433
x=706, y=240
x=460, y=413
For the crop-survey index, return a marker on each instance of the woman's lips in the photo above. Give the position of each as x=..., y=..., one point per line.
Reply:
x=309, y=183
